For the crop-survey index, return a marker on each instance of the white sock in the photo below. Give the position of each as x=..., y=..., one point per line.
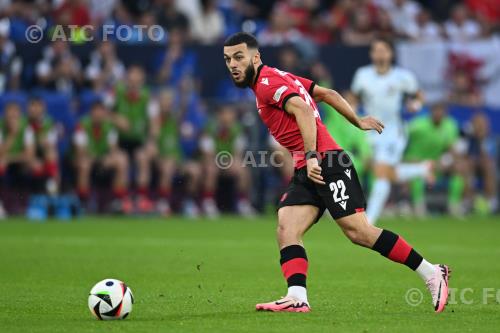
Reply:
x=298, y=292
x=378, y=197
x=426, y=270
x=407, y=171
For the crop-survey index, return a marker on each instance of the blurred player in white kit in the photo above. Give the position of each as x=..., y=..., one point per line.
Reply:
x=382, y=88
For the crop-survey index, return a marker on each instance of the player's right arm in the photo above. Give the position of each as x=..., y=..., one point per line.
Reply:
x=306, y=121
x=334, y=99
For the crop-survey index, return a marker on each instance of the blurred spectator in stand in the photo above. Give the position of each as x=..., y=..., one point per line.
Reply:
x=175, y=61
x=96, y=152
x=4, y=6
x=258, y=9
x=134, y=22
x=169, y=17
x=360, y=30
x=136, y=8
x=289, y=60
x=71, y=16
x=338, y=16
x=341, y=14
x=403, y=14
x=45, y=140
x=425, y=30
x=464, y=91
x=280, y=29
x=10, y=63
x=480, y=154
x=486, y=11
x=23, y=14
x=74, y=12
x=300, y=13
x=319, y=31
x=101, y=10
x=439, y=134
x=16, y=138
x=384, y=26
x=104, y=70
x=17, y=151
x=225, y=135
x=134, y=124
x=152, y=33
x=460, y=27
x=440, y=9
x=59, y=70
x=207, y=26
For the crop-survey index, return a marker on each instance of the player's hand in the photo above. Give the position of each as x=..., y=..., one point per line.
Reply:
x=369, y=123
x=314, y=171
x=414, y=105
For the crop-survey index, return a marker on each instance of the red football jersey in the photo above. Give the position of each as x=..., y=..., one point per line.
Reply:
x=272, y=90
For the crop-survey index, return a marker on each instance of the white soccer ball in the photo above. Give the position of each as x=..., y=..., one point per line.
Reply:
x=110, y=299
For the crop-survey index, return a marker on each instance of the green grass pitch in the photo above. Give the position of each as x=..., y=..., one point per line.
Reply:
x=206, y=276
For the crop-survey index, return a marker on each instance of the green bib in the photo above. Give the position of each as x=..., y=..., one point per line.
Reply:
x=98, y=144
x=225, y=138
x=17, y=146
x=135, y=112
x=428, y=141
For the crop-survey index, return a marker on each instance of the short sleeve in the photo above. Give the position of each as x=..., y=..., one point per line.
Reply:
x=306, y=83
x=410, y=83
x=276, y=91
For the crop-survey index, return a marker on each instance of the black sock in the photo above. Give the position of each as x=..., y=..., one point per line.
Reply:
x=397, y=249
x=294, y=265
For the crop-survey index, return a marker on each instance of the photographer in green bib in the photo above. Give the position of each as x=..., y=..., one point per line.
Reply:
x=17, y=148
x=95, y=143
x=134, y=123
x=225, y=136
x=434, y=137
x=45, y=140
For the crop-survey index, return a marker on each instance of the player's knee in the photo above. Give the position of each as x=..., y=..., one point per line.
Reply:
x=357, y=235
x=121, y=161
x=141, y=156
x=287, y=228
x=195, y=172
x=285, y=231
x=83, y=164
x=284, y=228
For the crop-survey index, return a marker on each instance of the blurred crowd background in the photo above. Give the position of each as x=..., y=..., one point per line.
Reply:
x=127, y=123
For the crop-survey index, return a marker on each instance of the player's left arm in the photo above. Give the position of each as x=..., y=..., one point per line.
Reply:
x=304, y=115
x=334, y=99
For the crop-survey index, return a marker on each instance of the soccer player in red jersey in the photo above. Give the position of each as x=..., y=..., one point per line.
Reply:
x=324, y=176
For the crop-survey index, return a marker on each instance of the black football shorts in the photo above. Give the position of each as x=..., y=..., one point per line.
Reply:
x=342, y=194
